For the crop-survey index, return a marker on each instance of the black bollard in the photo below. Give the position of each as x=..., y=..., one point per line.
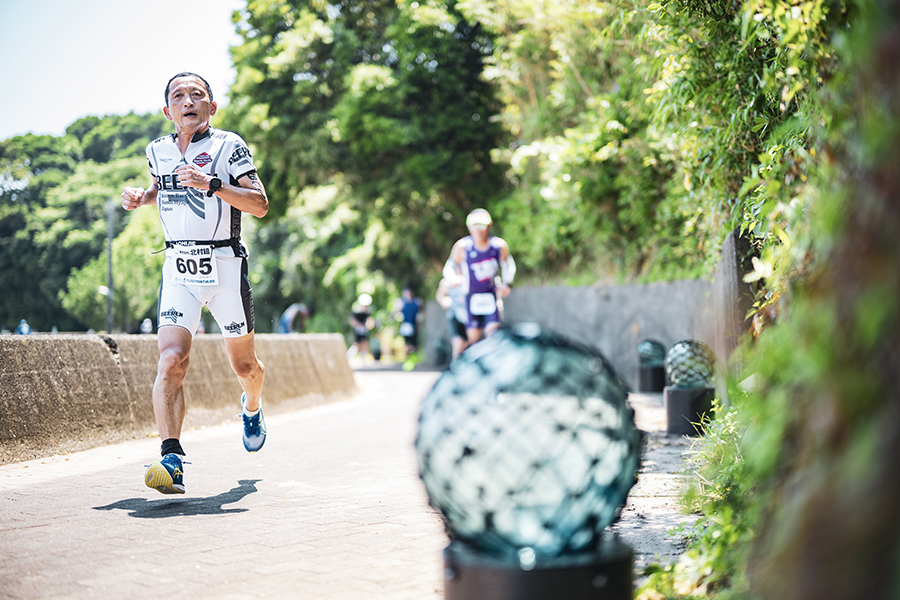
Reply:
x=603, y=575
x=651, y=378
x=686, y=408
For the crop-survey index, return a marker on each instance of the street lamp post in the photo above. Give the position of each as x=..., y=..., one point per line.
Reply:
x=110, y=216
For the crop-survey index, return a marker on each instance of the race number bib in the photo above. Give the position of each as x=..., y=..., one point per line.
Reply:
x=482, y=304
x=194, y=265
x=407, y=329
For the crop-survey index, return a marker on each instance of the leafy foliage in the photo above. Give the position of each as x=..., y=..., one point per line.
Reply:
x=53, y=215
x=371, y=90
x=795, y=479
x=597, y=179
x=311, y=256
x=137, y=265
x=383, y=101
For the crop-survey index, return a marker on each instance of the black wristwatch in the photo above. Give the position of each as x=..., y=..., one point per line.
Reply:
x=215, y=184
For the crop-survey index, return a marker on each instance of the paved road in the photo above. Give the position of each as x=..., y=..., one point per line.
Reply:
x=331, y=509
x=652, y=511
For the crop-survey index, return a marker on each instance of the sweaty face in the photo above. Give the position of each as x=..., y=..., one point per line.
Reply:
x=479, y=232
x=189, y=103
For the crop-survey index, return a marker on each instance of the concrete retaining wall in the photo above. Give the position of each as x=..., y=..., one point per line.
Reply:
x=611, y=318
x=61, y=393
x=614, y=318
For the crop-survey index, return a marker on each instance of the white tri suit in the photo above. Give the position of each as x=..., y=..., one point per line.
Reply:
x=206, y=262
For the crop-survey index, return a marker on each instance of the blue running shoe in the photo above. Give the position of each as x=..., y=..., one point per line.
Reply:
x=254, y=428
x=166, y=475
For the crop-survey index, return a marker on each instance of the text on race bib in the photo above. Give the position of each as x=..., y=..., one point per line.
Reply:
x=194, y=265
x=482, y=304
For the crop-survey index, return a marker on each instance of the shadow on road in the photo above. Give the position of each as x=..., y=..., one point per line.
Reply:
x=142, y=508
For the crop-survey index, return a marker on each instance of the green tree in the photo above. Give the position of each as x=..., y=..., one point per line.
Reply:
x=415, y=135
x=71, y=229
x=137, y=265
x=311, y=255
x=386, y=102
x=595, y=185
x=53, y=216
x=113, y=137
x=30, y=167
x=290, y=73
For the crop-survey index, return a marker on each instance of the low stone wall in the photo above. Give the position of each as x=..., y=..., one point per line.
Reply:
x=62, y=393
x=612, y=319
x=615, y=318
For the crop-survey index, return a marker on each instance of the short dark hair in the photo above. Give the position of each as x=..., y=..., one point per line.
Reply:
x=188, y=74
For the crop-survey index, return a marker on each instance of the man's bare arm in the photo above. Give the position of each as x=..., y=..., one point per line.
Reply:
x=248, y=196
x=133, y=198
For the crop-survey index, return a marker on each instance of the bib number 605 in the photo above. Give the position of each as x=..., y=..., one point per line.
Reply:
x=189, y=265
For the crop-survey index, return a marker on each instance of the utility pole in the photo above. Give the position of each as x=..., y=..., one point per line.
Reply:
x=110, y=217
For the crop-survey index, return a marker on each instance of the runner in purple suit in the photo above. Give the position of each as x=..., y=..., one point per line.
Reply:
x=476, y=261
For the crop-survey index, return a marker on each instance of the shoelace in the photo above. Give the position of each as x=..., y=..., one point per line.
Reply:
x=184, y=462
x=251, y=424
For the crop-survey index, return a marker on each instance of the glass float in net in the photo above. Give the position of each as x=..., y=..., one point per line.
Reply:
x=651, y=353
x=527, y=444
x=690, y=364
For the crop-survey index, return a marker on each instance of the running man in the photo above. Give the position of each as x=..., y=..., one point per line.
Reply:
x=452, y=299
x=407, y=309
x=362, y=323
x=478, y=259
x=202, y=180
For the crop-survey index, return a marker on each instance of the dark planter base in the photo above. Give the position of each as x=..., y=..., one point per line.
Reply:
x=686, y=408
x=604, y=575
x=651, y=379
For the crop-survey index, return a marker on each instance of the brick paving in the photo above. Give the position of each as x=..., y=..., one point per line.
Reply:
x=331, y=508
x=652, y=510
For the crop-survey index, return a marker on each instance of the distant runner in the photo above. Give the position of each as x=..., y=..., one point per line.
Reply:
x=407, y=308
x=362, y=323
x=478, y=259
x=452, y=299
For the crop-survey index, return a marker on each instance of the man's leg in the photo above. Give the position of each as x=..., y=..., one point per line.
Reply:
x=167, y=475
x=491, y=328
x=168, y=390
x=474, y=335
x=249, y=369
x=457, y=344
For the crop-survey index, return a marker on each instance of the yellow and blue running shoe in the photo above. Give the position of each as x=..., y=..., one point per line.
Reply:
x=254, y=434
x=166, y=475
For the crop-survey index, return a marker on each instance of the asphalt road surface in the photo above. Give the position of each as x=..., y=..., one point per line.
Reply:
x=331, y=508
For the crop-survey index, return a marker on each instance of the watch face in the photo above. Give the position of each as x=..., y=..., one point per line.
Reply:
x=215, y=184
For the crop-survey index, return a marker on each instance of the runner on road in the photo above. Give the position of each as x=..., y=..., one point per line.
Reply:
x=452, y=299
x=478, y=259
x=407, y=309
x=202, y=181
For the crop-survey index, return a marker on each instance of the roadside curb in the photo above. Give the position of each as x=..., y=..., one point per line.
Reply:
x=64, y=393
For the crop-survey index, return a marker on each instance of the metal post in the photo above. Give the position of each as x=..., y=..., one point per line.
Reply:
x=110, y=216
